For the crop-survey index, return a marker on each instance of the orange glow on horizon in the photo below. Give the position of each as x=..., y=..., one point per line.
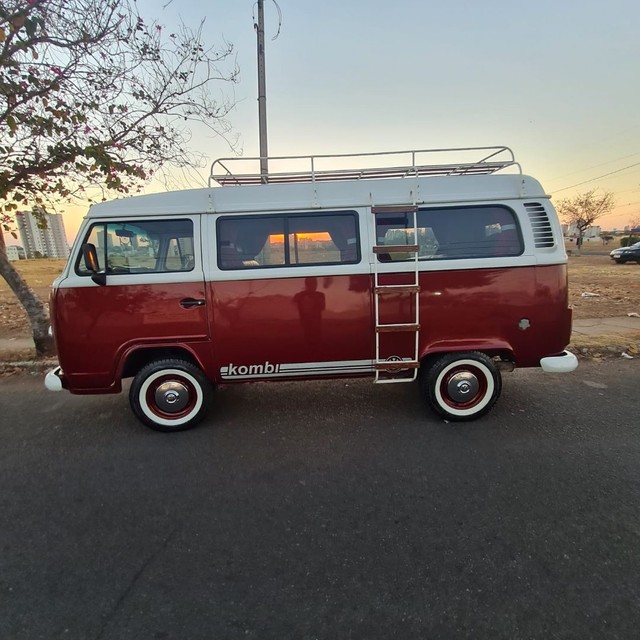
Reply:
x=321, y=236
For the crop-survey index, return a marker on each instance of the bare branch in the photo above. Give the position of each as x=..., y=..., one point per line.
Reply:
x=585, y=208
x=91, y=95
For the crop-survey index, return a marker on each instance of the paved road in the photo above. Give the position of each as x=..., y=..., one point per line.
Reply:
x=325, y=510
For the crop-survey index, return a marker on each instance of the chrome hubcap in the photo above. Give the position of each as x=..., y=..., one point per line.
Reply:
x=171, y=397
x=463, y=386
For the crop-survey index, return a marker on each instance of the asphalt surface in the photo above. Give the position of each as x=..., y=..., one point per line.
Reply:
x=325, y=510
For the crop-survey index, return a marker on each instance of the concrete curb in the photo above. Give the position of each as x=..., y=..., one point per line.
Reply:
x=9, y=367
x=628, y=351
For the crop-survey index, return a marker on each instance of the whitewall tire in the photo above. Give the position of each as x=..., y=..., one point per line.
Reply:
x=462, y=386
x=170, y=395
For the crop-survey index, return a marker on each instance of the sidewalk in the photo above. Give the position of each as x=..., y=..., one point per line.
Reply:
x=19, y=354
x=591, y=336
x=8, y=345
x=606, y=326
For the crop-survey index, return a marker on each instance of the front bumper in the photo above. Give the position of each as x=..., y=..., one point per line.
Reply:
x=53, y=381
x=562, y=363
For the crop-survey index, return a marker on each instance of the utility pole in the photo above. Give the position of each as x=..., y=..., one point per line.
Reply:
x=262, y=95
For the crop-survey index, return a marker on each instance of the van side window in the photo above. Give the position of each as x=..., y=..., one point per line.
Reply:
x=452, y=233
x=395, y=228
x=246, y=242
x=156, y=246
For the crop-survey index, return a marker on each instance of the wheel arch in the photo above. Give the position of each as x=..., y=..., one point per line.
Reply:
x=136, y=358
x=495, y=349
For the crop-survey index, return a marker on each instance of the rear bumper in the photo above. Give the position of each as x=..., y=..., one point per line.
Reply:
x=562, y=363
x=54, y=380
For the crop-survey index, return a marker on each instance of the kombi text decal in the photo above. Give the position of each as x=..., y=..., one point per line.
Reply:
x=241, y=371
x=294, y=369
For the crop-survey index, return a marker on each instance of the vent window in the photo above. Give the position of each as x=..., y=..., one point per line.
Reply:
x=541, y=225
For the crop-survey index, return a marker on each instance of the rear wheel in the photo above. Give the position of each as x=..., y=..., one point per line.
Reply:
x=462, y=386
x=170, y=395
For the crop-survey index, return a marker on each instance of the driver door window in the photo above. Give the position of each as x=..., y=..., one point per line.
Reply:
x=139, y=247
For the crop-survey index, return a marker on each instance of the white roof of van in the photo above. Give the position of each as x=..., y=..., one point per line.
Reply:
x=288, y=183
x=326, y=195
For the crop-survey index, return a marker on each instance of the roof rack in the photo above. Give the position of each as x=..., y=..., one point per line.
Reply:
x=385, y=164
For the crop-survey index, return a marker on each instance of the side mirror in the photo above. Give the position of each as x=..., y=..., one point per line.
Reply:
x=90, y=256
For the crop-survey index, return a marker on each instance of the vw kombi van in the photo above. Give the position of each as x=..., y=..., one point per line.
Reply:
x=446, y=266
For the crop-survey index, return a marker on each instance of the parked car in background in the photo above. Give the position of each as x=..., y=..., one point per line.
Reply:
x=626, y=254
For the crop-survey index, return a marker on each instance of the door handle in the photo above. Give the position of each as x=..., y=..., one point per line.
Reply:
x=188, y=303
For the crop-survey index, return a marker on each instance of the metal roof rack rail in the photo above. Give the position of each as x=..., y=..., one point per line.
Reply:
x=382, y=165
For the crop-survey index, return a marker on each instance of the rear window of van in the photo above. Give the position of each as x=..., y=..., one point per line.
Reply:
x=452, y=232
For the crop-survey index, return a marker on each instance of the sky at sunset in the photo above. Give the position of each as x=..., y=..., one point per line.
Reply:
x=557, y=81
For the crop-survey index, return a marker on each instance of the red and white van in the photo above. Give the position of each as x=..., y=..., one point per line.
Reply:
x=447, y=270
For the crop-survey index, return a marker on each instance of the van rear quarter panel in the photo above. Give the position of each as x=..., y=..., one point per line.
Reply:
x=524, y=309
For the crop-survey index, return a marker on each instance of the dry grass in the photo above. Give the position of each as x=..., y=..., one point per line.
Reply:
x=39, y=274
x=617, y=286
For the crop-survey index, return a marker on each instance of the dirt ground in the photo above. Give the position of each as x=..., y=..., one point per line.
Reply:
x=616, y=288
x=39, y=274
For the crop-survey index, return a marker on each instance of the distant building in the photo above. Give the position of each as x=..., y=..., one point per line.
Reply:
x=15, y=253
x=591, y=233
x=572, y=231
x=50, y=242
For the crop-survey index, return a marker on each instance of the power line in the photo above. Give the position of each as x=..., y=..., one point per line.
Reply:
x=628, y=204
x=597, y=178
x=594, y=166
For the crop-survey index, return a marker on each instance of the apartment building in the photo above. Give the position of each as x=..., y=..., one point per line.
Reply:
x=50, y=242
x=15, y=253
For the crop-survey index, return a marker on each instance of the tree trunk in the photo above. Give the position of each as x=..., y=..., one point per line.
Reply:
x=34, y=307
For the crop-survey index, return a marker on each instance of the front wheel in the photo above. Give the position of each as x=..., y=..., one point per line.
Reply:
x=170, y=395
x=462, y=386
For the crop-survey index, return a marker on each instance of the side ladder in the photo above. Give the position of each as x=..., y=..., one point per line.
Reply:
x=407, y=364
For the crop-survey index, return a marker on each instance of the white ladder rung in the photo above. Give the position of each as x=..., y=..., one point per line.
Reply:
x=398, y=288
